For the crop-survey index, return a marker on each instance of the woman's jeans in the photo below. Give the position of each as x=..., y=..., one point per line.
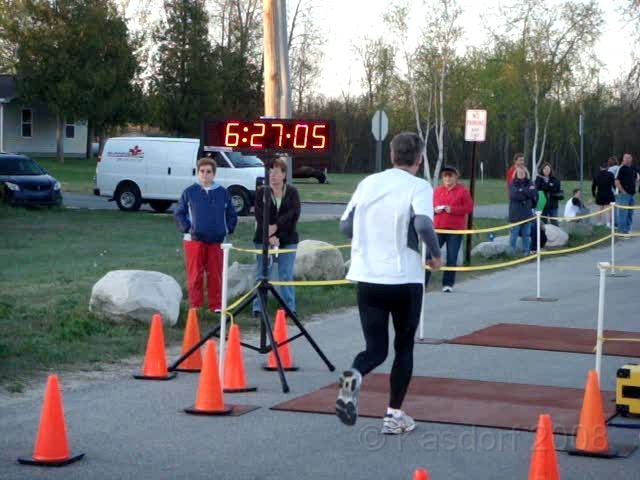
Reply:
x=286, y=263
x=453, y=242
x=624, y=217
x=524, y=231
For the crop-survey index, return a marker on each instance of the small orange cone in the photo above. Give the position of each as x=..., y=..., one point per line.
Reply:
x=421, y=474
x=51, y=448
x=544, y=462
x=193, y=363
x=209, y=398
x=591, y=438
x=234, y=377
x=280, y=335
x=155, y=360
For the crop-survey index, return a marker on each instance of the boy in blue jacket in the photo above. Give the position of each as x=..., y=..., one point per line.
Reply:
x=206, y=216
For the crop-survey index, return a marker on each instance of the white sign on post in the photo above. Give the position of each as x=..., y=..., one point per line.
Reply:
x=380, y=125
x=475, y=126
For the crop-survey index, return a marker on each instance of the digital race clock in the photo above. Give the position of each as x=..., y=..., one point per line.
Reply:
x=299, y=137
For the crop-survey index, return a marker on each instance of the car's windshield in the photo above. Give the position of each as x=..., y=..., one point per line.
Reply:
x=243, y=161
x=19, y=166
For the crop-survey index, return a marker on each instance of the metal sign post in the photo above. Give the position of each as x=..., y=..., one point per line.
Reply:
x=475, y=130
x=379, y=129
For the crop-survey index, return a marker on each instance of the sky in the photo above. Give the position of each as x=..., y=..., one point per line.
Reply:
x=346, y=22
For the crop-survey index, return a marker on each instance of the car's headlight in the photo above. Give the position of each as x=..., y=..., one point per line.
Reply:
x=56, y=186
x=12, y=186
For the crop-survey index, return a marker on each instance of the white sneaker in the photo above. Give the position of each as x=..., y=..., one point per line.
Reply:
x=392, y=425
x=347, y=402
x=447, y=289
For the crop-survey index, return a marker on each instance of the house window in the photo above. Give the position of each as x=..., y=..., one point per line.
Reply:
x=27, y=122
x=70, y=130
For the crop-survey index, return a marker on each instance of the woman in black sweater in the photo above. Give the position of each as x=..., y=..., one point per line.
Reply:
x=551, y=187
x=602, y=189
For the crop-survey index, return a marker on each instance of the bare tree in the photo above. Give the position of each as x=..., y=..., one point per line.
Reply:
x=378, y=62
x=555, y=42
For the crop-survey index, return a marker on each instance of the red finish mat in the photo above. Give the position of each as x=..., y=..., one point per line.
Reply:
x=465, y=402
x=557, y=339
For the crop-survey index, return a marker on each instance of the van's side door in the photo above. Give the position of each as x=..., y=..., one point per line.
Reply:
x=156, y=162
x=181, y=168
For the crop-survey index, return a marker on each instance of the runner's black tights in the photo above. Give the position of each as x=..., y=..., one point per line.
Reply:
x=375, y=303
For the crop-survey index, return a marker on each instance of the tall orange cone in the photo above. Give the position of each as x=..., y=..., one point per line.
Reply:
x=280, y=335
x=591, y=438
x=234, y=377
x=193, y=363
x=51, y=448
x=421, y=474
x=544, y=462
x=209, y=398
x=155, y=360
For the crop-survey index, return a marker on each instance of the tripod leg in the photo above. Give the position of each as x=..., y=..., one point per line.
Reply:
x=295, y=320
x=266, y=325
x=213, y=333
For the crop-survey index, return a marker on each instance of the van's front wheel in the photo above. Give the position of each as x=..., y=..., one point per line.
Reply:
x=128, y=197
x=240, y=200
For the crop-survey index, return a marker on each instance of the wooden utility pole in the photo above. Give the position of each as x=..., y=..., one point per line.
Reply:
x=271, y=80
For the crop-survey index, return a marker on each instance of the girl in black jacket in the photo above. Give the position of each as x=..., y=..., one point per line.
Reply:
x=550, y=186
x=602, y=190
x=522, y=199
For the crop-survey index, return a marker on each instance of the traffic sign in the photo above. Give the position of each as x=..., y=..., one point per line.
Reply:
x=380, y=125
x=475, y=126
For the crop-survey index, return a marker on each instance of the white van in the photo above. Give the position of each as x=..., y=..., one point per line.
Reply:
x=156, y=170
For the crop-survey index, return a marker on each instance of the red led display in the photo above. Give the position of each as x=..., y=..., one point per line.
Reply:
x=277, y=135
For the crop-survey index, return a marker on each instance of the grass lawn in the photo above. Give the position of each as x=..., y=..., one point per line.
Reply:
x=52, y=257
x=76, y=175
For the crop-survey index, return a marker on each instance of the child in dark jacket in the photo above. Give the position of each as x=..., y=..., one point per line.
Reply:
x=522, y=199
x=205, y=215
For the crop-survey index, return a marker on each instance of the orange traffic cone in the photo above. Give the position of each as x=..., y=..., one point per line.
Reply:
x=209, y=398
x=421, y=474
x=280, y=335
x=51, y=448
x=591, y=438
x=544, y=463
x=193, y=363
x=234, y=377
x=155, y=360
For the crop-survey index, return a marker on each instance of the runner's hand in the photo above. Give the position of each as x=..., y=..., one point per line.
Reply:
x=435, y=263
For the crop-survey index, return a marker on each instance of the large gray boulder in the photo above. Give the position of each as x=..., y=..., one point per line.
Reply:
x=241, y=279
x=579, y=229
x=314, y=264
x=491, y=249
x=556, y=237
x=136, y=295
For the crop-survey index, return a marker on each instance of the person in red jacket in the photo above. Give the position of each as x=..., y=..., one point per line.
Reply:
x=451, y=205
x=518, y=161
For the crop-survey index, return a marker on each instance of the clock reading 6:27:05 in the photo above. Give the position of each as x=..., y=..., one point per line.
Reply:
x=274, y=135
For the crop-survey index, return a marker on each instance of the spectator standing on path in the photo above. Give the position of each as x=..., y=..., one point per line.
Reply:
x=549, y=186
x=386, y=215
x=452, y=203
x=522, y=198
x=518, y=162
x=602, y=189
x=626, y=185
x=205, y=215
x=283, y=221
x=613, y=165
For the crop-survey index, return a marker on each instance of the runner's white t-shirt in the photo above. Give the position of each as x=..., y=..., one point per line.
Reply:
x=385, y=204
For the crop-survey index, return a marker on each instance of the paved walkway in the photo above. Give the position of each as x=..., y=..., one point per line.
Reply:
x=136, y=430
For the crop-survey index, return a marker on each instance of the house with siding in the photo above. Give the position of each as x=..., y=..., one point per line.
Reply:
x=30, y=128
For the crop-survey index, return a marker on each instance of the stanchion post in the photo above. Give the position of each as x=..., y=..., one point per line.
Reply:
x=223, y=305
x=423, y=253
x=613, y=237
x=538, y=256
x=602, y=267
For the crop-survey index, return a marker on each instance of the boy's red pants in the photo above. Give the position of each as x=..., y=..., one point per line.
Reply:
x=203, y=257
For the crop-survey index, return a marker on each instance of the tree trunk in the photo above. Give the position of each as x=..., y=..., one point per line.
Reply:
x=59, y=138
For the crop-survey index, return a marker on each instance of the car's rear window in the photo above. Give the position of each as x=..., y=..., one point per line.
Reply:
x=19, y=166
x=244, y=161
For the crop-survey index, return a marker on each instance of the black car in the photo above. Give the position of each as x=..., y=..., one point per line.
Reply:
x=24, y=182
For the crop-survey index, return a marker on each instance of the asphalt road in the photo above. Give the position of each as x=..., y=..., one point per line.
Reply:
x=309, y=209
x=137, y=430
